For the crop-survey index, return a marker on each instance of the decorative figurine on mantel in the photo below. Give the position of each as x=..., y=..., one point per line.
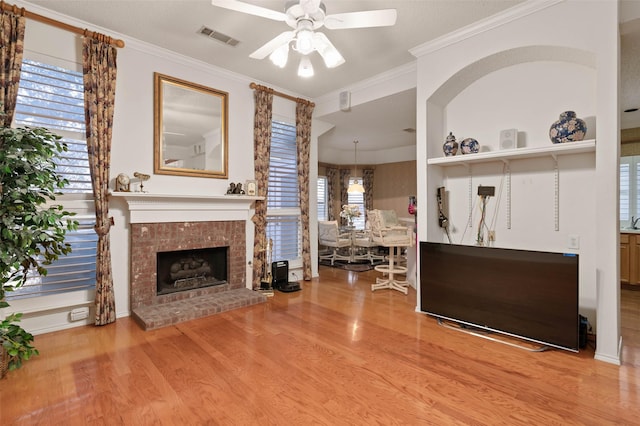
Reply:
x=143, y=177
x=235, y=189
x=122, y=183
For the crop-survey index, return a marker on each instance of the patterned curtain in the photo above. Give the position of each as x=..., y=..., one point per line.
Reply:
x=332, y=175
x=367, y=183
x=99, y=69
x=12, y=42
x=261, y=153
x=344, y=197
x=304, y=111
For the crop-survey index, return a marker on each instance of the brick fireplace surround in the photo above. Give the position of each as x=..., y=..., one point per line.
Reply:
x=207, y=222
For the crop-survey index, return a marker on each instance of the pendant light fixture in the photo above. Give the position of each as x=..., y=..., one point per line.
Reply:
x=355, y=187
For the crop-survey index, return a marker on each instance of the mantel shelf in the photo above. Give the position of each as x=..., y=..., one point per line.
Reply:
x=152, y=208
x=147, y=196
x=516, y=154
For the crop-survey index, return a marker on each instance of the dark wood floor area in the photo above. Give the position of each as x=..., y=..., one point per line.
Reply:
x=332, y=354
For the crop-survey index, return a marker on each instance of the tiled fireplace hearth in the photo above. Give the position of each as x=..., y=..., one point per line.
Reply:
x=207, y=223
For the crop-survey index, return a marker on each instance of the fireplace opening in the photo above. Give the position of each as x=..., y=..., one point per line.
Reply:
x=189, y=269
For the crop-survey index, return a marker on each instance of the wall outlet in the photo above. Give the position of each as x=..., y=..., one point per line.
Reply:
x=573, y=242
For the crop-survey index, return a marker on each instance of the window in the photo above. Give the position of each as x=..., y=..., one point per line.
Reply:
x=283, y=199
x=75, y=271
x=53, y=97
x=322, y=198
x=357, y=199
x=629, y=190
x=625, y=191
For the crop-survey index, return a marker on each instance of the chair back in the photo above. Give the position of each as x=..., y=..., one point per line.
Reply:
x=388, y=218
x=328, y=232
x=385, y=232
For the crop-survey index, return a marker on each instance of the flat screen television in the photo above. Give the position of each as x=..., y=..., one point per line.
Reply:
x=531, y=295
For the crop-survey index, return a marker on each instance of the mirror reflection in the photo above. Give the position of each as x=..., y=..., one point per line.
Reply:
x=190, y=129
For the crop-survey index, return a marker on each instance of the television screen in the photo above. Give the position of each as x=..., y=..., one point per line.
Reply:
x=528, y=294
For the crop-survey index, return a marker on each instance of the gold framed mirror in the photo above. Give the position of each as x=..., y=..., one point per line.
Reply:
x=190, y=129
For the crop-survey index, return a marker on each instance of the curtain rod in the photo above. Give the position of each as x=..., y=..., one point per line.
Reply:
x=282, y=95
x=84, y=32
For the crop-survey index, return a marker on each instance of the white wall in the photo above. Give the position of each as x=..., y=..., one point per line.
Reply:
x=475, y=83
x=132, y=149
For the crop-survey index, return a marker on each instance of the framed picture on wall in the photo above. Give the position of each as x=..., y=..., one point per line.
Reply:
x=250, y=187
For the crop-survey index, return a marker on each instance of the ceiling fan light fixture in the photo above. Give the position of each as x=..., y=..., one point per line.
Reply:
x=280, y=55
x=304, y=42
x=330, y=55
x=305, y=69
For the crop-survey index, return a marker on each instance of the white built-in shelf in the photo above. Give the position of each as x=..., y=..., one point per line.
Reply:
x=516, y=154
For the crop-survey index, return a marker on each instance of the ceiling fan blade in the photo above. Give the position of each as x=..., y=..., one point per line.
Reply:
x=251, y=9
x=370, y=18
x=272, y=45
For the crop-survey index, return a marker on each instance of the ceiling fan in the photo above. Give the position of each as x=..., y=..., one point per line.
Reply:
x=304, y=17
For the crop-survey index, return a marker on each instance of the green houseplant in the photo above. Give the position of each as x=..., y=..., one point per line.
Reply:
x=32, y=229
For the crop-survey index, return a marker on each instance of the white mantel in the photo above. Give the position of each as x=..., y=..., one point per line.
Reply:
x=153, y=208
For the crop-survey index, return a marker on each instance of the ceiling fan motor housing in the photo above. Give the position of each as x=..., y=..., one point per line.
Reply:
x=295, y=12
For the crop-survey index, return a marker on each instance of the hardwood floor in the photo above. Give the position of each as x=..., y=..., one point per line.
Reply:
x=334, y=353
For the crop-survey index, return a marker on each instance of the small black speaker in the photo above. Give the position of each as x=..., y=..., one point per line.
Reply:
x=584, y=329
x=279, y=273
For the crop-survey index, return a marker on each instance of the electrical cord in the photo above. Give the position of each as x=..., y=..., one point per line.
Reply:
x=482, y=224
x=468, y=224
x=498, y=199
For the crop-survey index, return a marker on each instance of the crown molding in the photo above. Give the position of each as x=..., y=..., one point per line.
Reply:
x=509, y=15
x=405, y=73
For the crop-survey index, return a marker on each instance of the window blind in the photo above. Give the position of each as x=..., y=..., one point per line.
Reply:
x=322, y=198
x=283, y=199
x=75, y=271
x=53, y=98
x=358, y=200
x=625, y=193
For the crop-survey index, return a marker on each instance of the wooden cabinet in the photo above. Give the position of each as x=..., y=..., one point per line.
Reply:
x=630, y=259
x=625, y=253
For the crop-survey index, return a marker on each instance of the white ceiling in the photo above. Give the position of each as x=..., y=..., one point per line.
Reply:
x=174, y=25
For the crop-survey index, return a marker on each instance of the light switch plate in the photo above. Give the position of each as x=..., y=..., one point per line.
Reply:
x=573, y=242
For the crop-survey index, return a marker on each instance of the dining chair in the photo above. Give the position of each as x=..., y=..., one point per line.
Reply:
x=329, y=235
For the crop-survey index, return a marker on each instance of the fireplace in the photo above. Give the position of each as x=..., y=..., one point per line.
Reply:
x=150, y=240
x=207, y=232
x=183, y=270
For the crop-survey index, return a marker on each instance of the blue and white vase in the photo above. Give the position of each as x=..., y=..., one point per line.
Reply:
x=568, y=128
x=469, y=146
x=450, y=147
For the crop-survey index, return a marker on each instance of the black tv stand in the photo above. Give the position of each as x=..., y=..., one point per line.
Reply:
x=478, y=332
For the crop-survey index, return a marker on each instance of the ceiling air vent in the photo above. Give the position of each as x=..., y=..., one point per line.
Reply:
x=208, y=32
